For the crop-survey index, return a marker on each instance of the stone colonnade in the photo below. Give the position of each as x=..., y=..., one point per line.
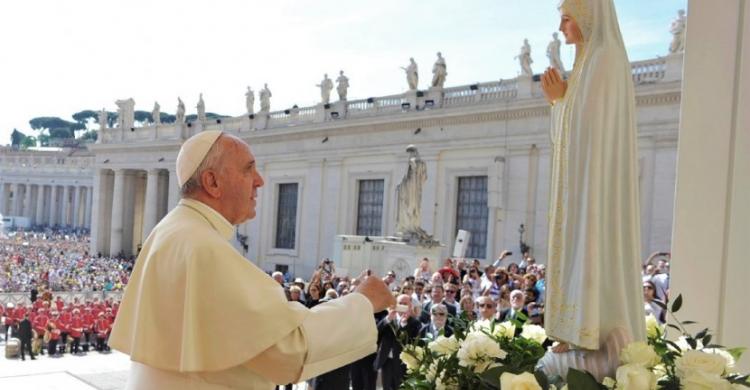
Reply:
x=127, y=204
x=62, y=204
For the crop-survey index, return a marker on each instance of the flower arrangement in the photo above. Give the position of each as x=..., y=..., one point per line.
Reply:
x=490, y=355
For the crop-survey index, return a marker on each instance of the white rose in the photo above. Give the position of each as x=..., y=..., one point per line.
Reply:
x=699, y=380
x=653, y=327
x=692, y=361
x=635, y=377
x=534, y=332
x=505, y=329
x=523, y=381
x=444, y=346
x=609, y=382
x=726, y=355
x=411, y=357
x=478, y=351
x=639, y=353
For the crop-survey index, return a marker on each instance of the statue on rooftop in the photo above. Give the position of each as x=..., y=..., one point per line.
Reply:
x=553, y=53
x=201, y=107
x=250, y=100
x=180, y=116
x=524, y=58
x=439, y=71
x=103, y=119
x=156, y=114
x=343, y=85
x=678, y=33
x=412, y=75
x=326, y=85
x=265, y=99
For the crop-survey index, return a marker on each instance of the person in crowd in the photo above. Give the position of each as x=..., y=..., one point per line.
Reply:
x=438, y=324
x=488, y=277
x=437, y=296
x=24, y=335
x=278, y=277
x=423, y=271
x=53, y=334
x=451, y=292
x=8, y=319
x=474, y=280
x=487, y=308
x=419, y=292
x=75, y=330
x=398, y=325
x=517, y=305
x=468, y=311
x=449, y=272
x=102, y=329
x=651, y=304
x=313, y=294
x=295, y=294
x=503, y=300
x=40, y=326
x=389, y=279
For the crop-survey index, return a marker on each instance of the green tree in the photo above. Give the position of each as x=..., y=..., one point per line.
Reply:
x=29, y=141
x=90, y=135
x=142, y=116
x=16, y=138
x=84, y=116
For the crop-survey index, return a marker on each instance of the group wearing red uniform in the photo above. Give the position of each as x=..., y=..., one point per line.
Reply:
x=59, y=324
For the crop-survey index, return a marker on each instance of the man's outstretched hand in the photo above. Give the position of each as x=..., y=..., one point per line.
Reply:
x=376, y=291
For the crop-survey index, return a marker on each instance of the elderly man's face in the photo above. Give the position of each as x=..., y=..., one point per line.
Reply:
x=517, y=300
x=439, y=317
x=241, y=181
x=487, y=308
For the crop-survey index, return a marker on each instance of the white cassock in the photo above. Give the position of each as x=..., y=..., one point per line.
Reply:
x=198, y=315
x=594, y=294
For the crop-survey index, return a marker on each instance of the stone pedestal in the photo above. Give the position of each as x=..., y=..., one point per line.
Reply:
x=411, y=97
x=340, y=108
x=673, y=67
x=320, y=113
x=354, y=254
x=261, y=120
x=525, y=86
x=436, y=95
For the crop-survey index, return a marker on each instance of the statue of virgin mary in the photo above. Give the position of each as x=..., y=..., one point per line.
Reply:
x=594, y=303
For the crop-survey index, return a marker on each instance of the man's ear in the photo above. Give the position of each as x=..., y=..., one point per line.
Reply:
x=210, y=183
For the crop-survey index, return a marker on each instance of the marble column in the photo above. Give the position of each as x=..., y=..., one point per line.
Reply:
x=16, y=208
x=89, y=207
x=27, y=201
x=3, y=198
x=39, y=219
x=65, y=218
x=150, y=204
x=74, y=222
x=174, y=190
x=115, y=241
x=53, y=205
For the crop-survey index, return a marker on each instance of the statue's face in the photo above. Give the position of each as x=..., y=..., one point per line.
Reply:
x=569, y=28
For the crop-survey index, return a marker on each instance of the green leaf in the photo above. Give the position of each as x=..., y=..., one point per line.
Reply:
x=736, y=352
x=702, y=334
x=580, y=380
x=492, y=376
x=677, y=304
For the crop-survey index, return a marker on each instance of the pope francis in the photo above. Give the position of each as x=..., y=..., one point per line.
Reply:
x=197, y=315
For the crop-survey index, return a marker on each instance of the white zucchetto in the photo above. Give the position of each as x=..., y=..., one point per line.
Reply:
x=192, y=153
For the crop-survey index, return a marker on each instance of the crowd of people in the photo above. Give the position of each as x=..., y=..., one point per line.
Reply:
x=57, y=326
x=57, y=260
x=429, y=300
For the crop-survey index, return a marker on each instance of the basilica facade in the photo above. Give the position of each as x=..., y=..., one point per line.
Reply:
x=333, y=168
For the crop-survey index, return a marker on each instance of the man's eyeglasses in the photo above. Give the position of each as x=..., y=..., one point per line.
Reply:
x=487, y=305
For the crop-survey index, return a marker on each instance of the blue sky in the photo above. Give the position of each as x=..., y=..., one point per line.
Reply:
x=63, y=57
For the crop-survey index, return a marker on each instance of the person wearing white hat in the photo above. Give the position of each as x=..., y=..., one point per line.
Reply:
x=190, y=288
